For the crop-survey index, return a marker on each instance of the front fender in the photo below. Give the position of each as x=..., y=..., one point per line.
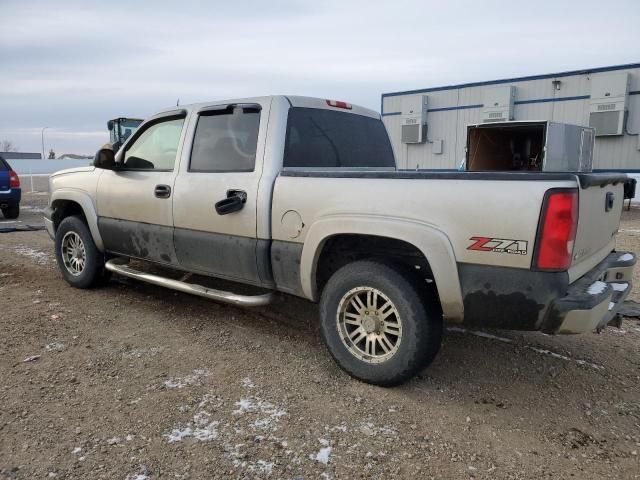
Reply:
x=431, y=241
x=85, y=201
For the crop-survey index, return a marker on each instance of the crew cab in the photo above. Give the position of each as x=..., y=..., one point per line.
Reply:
x=10, y=192
x=302, y=195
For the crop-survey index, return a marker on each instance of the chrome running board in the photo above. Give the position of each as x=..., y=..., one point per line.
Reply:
x=118, y=265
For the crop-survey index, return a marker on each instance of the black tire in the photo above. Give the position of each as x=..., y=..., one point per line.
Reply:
x=11, y=212
x=421, y=332
x=93, y=272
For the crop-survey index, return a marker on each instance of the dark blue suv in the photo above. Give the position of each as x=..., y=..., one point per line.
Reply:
x=10, y=192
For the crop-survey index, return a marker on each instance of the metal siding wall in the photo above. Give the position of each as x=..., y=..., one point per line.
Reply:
x=619, y=152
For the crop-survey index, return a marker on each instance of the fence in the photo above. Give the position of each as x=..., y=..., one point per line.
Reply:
x=28, y=169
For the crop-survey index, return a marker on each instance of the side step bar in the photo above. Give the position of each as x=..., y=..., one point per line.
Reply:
x=118, y=265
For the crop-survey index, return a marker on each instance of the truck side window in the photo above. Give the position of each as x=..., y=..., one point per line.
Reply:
x=156, y=148
x=326, y=138
x=226, y=141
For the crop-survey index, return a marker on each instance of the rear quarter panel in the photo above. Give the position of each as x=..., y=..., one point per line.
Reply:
x=455, y=212
x=461, y=209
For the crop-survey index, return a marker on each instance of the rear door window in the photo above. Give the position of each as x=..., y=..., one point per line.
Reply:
x=226, y=140
x=326, y=138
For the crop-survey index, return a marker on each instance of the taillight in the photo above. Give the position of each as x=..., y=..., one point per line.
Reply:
x=14, y=180
x=339, y=104
x=557, y=230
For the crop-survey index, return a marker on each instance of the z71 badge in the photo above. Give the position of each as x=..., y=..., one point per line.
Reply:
x=498, y=245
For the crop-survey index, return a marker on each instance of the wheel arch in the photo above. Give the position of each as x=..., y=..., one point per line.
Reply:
x=431, y=242
x=66, y=202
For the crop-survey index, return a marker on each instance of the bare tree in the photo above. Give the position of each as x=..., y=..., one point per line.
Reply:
x=8, y=146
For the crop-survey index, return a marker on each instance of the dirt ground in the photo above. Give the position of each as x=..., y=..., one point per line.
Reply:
x=132, y=381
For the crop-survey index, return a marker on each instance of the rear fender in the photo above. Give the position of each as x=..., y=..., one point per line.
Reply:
x=432, y=242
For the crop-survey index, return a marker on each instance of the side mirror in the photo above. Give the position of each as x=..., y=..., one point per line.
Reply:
x=105, y=158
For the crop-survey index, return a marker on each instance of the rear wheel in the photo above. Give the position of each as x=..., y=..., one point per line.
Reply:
x=376, y=325
x=12, y=211
x=79, y=260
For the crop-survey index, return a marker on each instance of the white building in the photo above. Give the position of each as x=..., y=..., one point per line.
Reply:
x=607, y=98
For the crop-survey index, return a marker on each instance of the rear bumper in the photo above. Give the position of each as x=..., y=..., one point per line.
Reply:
x=10, y=197
x=592, y=301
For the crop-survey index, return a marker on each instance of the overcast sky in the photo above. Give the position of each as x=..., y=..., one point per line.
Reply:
x=71, y=66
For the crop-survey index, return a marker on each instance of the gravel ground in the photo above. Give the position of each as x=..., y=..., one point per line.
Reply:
x=132, y=381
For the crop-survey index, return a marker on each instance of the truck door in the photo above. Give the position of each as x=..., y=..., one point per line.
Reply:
x=134, y=202
x=215, y=198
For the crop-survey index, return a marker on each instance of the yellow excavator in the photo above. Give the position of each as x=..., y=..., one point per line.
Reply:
x=120, y=129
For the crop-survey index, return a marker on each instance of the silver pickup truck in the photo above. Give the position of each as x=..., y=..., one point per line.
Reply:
x=301, y=195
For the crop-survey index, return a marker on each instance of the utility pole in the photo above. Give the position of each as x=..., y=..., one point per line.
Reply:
x=42, y=135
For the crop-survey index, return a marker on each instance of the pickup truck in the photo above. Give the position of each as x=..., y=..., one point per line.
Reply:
x=302, y=195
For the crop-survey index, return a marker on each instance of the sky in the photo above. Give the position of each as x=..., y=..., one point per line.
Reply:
x=72, y=65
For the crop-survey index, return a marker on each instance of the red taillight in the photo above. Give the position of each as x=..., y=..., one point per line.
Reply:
x=14, y=180
x=558, y=231
x=339, y=104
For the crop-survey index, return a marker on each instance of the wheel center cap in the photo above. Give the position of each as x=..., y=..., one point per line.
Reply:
x=370, y=324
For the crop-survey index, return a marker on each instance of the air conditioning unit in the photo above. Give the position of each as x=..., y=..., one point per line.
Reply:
x=608, y=105
x=498, y=104
x=414, y=119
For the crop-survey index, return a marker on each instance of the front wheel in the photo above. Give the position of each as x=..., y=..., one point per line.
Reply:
x=79, y=260
x=376, y=325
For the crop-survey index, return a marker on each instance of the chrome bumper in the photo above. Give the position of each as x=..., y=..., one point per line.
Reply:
x=593, y=301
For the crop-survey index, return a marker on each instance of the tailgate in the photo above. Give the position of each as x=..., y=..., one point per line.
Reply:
x=601, y=198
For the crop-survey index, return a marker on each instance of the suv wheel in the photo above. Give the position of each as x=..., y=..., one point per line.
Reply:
x=376, y=325
x=11, y=212
x=79, y=260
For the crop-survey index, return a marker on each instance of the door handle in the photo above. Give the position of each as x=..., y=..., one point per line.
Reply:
x=234, y=202
x=162, y=191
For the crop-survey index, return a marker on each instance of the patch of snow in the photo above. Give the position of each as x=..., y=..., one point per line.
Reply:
x=564, y=357
x=244, y=405
x=247, y=383
x=137, y=476
x=41, y=258
x=177, y=434
x=142, y=352
x=619, y=287
x=54, y=347
x=370, y=429
x=76, y=450
x=202, y=428
x=255, y=404
x=625, y=257
x=617, y=331
x=597, y=288
x=189, y=380
x=322, y=456
x=611, y=305
x=478, y=333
